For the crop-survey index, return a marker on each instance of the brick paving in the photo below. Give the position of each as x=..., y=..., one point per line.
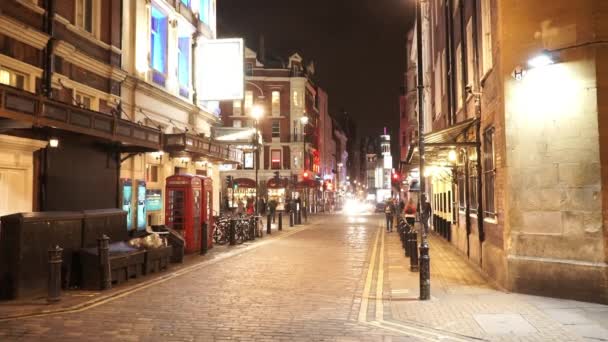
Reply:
x=305, y=287
x=464, y=303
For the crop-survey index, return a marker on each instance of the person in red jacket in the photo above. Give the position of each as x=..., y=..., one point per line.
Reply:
x=410, y=212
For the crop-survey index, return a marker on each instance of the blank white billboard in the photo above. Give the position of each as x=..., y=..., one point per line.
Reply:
x=221, y=73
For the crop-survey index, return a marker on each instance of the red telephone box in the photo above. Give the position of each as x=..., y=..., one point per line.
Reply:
x=207, y=207
x=184, y=207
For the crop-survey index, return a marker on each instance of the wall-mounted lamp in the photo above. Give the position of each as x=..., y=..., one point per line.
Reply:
x=541, y=60
x=158, y=155
x=184, y=160
x=54, y=142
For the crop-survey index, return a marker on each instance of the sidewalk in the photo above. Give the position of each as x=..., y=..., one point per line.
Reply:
x=76, y=300
x=463, y=302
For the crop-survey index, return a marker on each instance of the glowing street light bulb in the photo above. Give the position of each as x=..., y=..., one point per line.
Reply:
x=304, y=120
x=452, y=156
x=257, y=112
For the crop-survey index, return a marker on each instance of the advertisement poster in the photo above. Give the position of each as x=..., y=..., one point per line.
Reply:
x=154, y=199
x=141, y=205
x=127, y=195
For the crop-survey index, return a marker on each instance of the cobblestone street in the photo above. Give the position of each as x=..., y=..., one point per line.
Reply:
x=306, y=286
x=321, y=282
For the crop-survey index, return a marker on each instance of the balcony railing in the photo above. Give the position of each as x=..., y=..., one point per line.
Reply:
x=38, y=110
x=202, y=147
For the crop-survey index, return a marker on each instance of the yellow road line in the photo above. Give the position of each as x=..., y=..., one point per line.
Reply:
x=380, y=280
x=368, y=280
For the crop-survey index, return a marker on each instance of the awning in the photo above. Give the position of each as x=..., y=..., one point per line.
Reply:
x=308, y=183
x=439, y=143
x=39, y=111
x=280, y=183
x=244, y=183
x=202, y=147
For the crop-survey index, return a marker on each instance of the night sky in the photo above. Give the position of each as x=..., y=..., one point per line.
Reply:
x=358, y=47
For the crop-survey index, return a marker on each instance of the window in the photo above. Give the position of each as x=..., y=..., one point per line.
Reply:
x=470, y=52
x=489, y=172
x=83, y=101
x=486, y=36
x=275, y=159
x=183, y=65
x=186, y=2
x=276, y=129
x=297, y=98
x=248, y=102
x=462, y=190
x=158, y=45
x=248, y=69
x=438, y=77
x=237, y=123
x=204, y=11
x=152, y=173
x=473, y=188
x=276, y=103
x=236, y=107
x=12, y=78
x=248, y=163
x=459, y=77
x=84, y=15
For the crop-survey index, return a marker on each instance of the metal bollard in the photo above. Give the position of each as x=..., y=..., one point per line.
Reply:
x=404, y=240
x=280, y=221
x=103, y=251
x=269, y=225
x=54, y=285
x=306, y=215
x=252, y=225
x=414, y=267
x=204, y=238
x=425, y=272
x=232, y=232
x=291, y=218
x=299, y=217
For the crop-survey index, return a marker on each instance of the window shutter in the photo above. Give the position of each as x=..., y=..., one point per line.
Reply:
x=266, y=157
x=286, y=157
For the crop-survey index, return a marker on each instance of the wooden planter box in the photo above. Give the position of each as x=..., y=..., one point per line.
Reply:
x=157, y=259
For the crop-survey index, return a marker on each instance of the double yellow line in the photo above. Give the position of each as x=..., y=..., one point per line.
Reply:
x=414, y=329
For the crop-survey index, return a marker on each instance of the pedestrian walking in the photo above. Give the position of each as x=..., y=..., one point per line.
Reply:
x=410, y=212
x=389, y=211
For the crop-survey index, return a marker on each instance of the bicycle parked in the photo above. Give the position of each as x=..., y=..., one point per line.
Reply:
x=242, y=231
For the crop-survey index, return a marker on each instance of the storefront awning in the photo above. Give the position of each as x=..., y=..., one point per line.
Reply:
x=308, y=183
x=202, y=147
x=38, y=111
x=274, y=183
x=244, y=182
x=439, y=143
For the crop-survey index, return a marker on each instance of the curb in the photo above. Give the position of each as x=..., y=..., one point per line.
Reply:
x=161, y=279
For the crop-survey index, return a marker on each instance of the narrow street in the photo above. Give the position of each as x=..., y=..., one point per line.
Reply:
x=306, y=286
x=321, y=282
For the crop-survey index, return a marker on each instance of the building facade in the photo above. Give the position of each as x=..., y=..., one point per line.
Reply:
x=115, y=106
x=516, y=140
x=297, y=151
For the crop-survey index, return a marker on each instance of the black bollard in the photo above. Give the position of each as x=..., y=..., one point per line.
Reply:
x=252, y=225
x=269, y=224
x=306, y=215
x=291, y=218
x=232, y=232
x=299, y=217
x=280, y=221
x=204, y=238
x=414, y=267
x=103, y=251
x=54, y=285
x=425, y=272
x=404, y=240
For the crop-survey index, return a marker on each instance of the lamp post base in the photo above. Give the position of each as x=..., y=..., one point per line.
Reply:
x=425, y=271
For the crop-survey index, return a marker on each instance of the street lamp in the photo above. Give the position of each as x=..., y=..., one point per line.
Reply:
x=425, y=261
x=257, y=113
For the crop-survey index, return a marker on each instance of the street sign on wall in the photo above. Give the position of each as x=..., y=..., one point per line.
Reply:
x=220, y=73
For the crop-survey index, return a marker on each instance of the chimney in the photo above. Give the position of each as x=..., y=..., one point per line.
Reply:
x=262, y=50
